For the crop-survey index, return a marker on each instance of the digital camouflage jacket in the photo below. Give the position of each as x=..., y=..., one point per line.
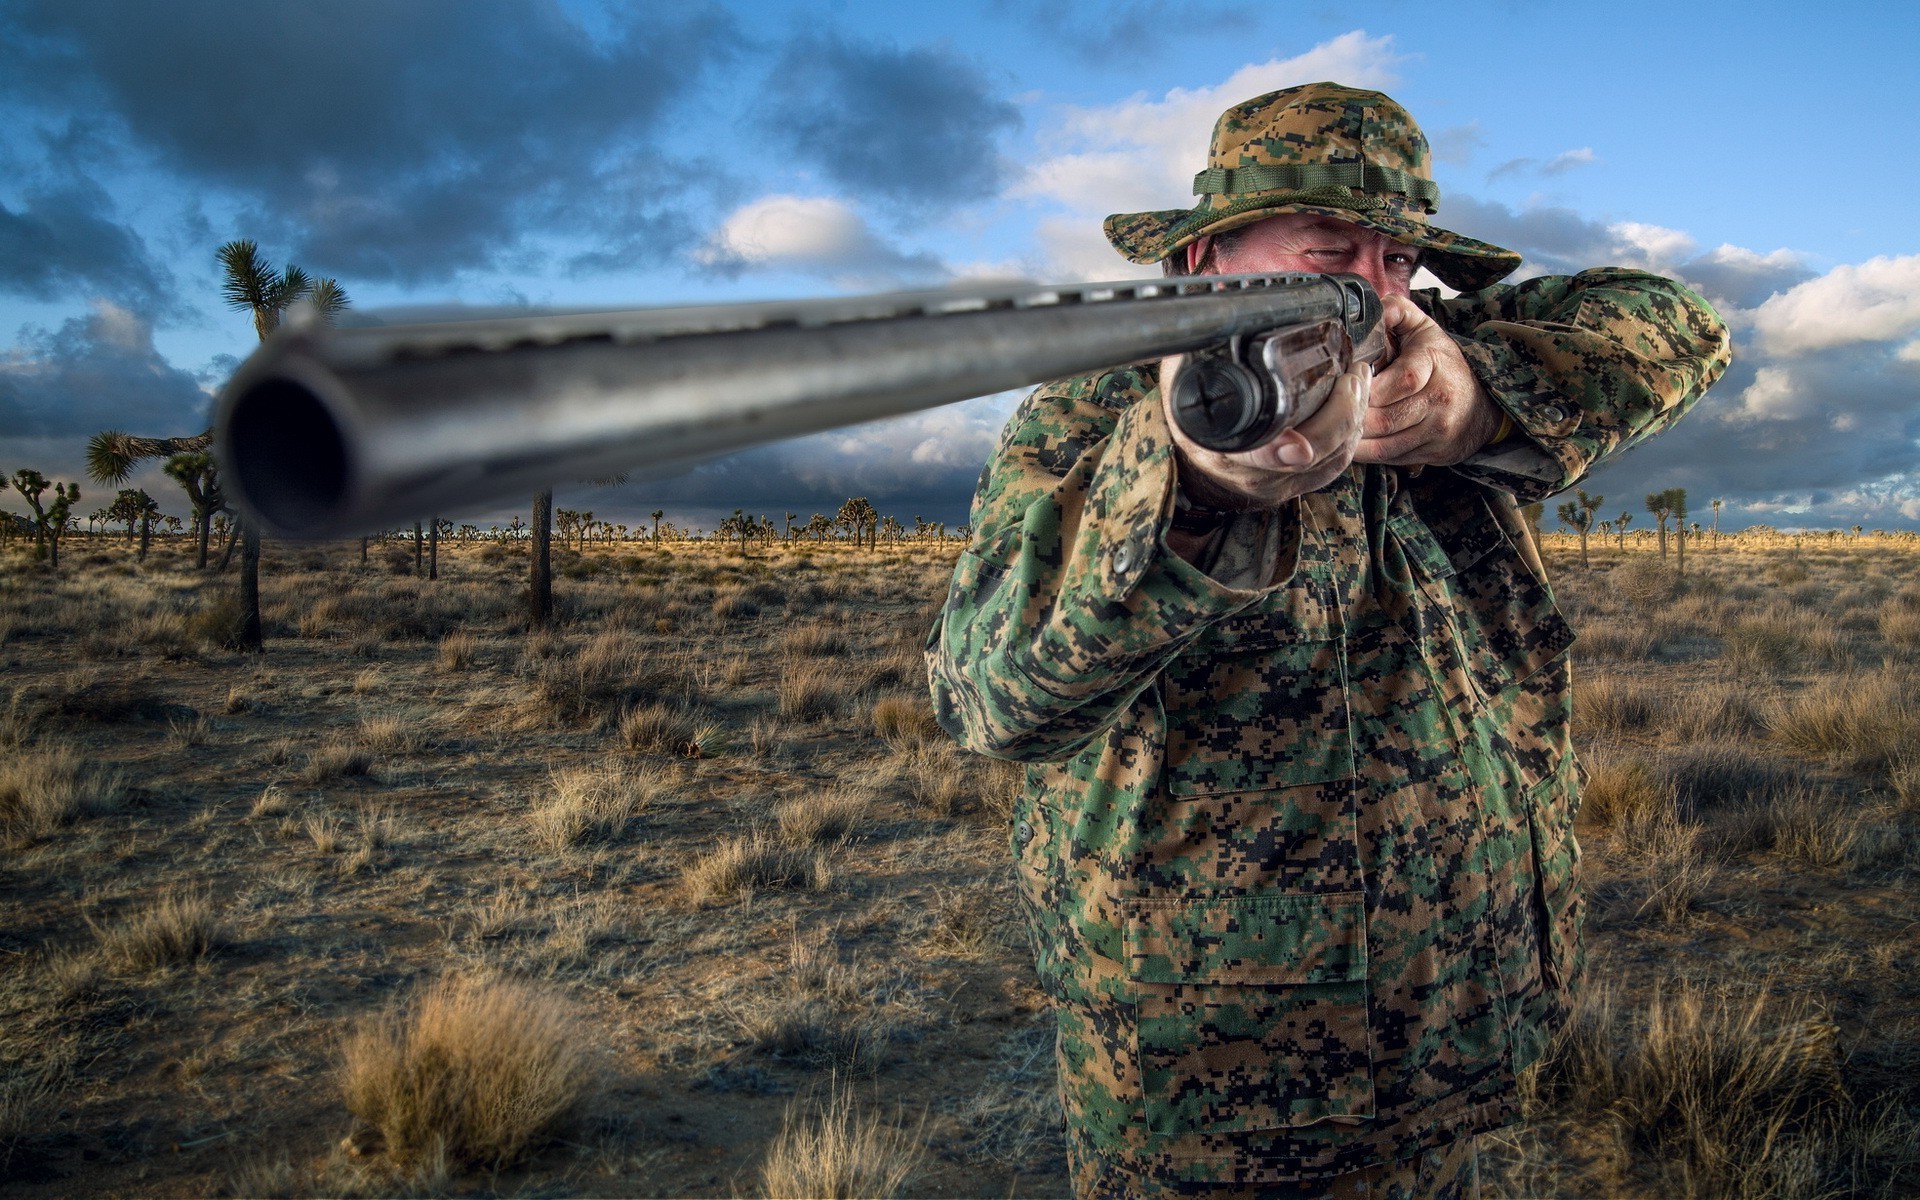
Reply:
x=1299, y=858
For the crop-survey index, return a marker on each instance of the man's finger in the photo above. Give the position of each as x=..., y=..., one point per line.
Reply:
x=1405, y=414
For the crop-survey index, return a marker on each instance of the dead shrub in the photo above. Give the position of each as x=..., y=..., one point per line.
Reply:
x=1664, y=853
x=1807, y=825
x=904, y=720
x=830, y=1150
x=739, y=865
x=176, y=928
x=605, y=675
x=43, y=789
x=484, y=1072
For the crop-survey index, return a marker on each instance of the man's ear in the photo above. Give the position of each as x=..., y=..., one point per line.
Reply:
x=1197, y=253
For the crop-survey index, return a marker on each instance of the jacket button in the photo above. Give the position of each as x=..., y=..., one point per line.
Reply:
x=1023, y=833
x=1554, y=413
x=1125, y=555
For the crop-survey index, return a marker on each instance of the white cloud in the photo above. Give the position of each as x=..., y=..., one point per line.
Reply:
x=815, y=234
x=1774, y=395
x=1141, y=154
x=1568, y=160
x=1874, y=301
x=1651, y=247
x=1909, y=352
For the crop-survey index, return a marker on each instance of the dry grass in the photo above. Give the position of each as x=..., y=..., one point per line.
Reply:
x=821, y=818
x=178, y=927
x=481, y=1072
x=1609, y=705
x=1621, y=791
x=934, y=775
x=810, y=689
x=828, y=1149
x=1868, y=721
x=905, y=720
x=657, y=729
x=457, y=652
x=334, y=761
x=44, y=789
x=740, y=865
x=593, y=803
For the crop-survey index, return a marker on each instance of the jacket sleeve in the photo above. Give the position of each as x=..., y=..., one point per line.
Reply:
x=1068, y=603
x=1587, y=366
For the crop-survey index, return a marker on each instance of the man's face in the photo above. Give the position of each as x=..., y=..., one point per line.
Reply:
x=1303, y=242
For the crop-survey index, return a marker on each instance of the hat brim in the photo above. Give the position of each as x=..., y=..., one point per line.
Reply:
x=1463, y=263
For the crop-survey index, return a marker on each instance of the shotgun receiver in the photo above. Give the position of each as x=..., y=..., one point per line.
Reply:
x=328, y=432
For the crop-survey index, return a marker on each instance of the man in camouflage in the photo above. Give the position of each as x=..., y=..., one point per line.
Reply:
x=1296, y=841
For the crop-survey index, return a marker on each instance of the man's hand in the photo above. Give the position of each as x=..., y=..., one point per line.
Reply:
x=1304, y=459
x=1428, y=408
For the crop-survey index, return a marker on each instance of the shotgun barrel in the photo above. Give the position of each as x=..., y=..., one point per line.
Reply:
x=329, y=432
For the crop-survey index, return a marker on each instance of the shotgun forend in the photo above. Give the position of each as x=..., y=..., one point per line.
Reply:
x=328, y=432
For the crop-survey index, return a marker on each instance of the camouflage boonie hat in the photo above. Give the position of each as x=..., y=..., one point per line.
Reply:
x=1324, y=149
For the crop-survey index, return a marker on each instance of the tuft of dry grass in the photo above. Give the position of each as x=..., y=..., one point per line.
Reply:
x=820, y=818
x=593, y=803
x=482, y=1072
x=934, y=775
x=1664, y=853
x=656, y=729
x=739, y=865
x=817, y=640
x=1607, y=704
x=334, y=761
x=827, y=1149
x=43, y=789
x=1730, y=1095
x=1870, y=721
x=810, y=689
x=1644, y=581
x=390, y=734
x=178, y=927
x=905, y=720
x=457, y=651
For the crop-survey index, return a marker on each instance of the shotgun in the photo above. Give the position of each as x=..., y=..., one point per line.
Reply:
x=329, y=432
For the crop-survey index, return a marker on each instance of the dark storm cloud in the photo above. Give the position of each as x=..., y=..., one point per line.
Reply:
x=1561, y=241
x=390, y=140
x=914, y=124
x=1838, y=423
x=923, y=465
x=60, y=241
x=1126, y=28
x=96, y=372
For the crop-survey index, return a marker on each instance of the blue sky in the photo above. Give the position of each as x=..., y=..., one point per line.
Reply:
x=585, y=152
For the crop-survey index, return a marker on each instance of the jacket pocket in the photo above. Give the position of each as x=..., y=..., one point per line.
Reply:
x=1551, y=806
x=1250, y=1011
x=1255, y=715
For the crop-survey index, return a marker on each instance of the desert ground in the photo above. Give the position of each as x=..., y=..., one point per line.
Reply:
x=687, y=895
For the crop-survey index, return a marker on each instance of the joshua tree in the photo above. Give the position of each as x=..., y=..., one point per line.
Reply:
x=1715, y=504
x=1579, y=514
x=200, y=479
x=540, y=584
x=858, y=516
x=50, y=520
x=250, y=285
x=1620, y=524
x=656, y=514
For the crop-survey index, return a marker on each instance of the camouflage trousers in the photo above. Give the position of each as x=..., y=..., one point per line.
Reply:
x=1450, y=1172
